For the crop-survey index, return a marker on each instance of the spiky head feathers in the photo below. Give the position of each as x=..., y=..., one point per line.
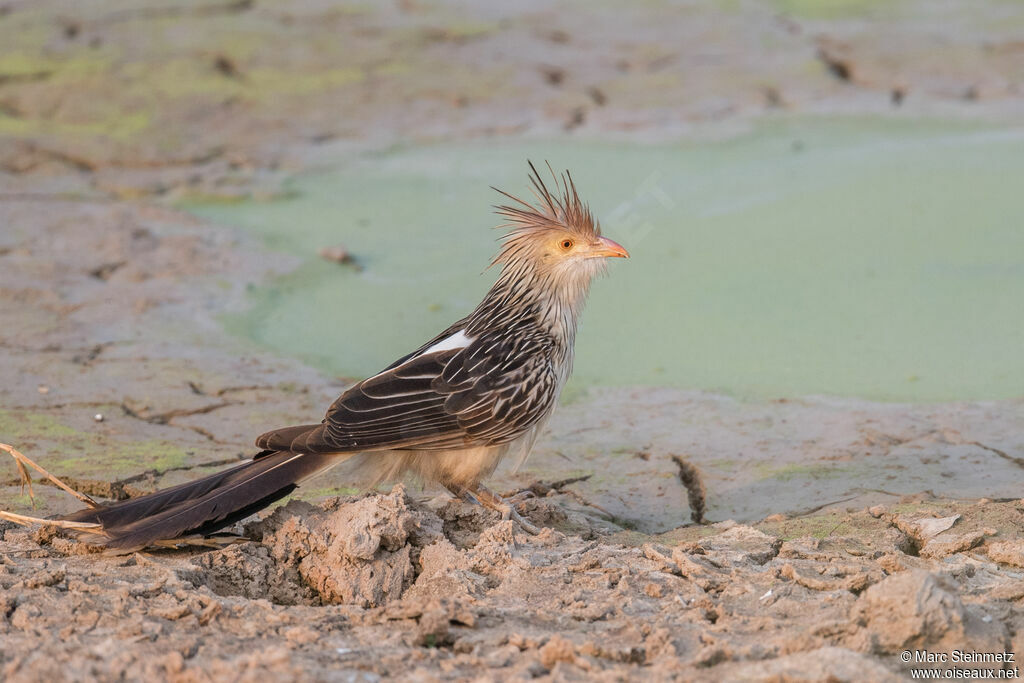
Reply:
x=559, y=226
x=549, y=255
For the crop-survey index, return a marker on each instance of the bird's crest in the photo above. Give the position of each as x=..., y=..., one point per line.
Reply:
x=558, y=210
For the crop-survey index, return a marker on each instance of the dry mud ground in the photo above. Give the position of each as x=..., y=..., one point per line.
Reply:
x=382, y=586
x=863, y=529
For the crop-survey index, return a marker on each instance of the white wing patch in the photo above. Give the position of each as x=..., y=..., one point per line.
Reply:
x=459, y=340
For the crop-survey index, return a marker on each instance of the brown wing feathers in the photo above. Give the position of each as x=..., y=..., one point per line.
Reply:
x=445, y=399
x=364, y=413
x=281, y=439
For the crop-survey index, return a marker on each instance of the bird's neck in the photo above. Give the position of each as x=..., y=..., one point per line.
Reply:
x=528, y=295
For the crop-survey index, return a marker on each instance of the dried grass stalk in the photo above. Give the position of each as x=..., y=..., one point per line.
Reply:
x=22, y=461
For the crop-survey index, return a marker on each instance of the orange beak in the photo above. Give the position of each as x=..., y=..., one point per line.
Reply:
x=610, y=249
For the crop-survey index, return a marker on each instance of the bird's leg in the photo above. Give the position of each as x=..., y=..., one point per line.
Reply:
x=491, y=500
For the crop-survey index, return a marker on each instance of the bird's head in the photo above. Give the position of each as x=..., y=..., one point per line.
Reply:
x=555, y=240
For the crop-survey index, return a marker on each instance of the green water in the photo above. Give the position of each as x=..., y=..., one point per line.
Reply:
x=880, y=259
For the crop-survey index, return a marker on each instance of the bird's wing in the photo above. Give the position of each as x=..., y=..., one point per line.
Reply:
x=487, y=392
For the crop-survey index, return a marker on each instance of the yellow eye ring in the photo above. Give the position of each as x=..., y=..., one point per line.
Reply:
x=567, y=244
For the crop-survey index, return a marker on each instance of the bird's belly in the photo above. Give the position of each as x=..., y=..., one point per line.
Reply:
x=458, y=469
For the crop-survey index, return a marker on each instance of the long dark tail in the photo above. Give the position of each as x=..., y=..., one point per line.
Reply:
x=205, y=505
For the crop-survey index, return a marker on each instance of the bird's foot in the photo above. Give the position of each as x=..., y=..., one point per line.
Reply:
x=511, y=513
x=503, y=506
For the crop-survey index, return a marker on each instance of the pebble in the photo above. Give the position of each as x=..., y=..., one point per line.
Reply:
x=339, y=254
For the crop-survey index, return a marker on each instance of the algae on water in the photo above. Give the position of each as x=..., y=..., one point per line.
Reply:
x=872, y=258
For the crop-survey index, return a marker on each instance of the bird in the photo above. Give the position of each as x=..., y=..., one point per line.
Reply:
x=447, y=413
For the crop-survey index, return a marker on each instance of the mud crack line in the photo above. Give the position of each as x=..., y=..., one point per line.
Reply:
x=1019, y=462
x=166, y=417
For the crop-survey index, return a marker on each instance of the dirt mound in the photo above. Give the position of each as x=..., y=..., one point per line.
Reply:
x=361, y=552
x=370, y=551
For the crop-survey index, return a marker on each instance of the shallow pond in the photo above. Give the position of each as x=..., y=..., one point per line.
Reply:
x=881, y=259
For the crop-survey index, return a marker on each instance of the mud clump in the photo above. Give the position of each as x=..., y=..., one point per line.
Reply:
x=740, y=545
x=361, y=552
x=1007, y=552
x=918, y=610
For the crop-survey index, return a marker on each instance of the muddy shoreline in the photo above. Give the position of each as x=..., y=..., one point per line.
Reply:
x=816, y=563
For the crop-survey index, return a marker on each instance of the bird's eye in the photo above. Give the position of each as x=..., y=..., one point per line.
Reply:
x=566, y=244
